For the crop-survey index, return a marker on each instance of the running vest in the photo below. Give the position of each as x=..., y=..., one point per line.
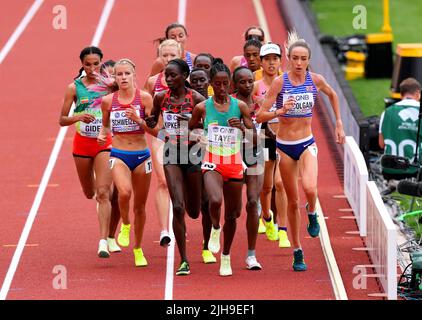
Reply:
x=262, y=91
x=253, y=112
x=119, y=123
x=399, y=127
x=158, y=86
x=223, y=140
x=188, y=60
x=84, y=100
x=170, y=111
x=305, y=96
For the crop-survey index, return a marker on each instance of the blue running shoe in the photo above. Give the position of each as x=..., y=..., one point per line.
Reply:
x=298, y=261
x=313, y=225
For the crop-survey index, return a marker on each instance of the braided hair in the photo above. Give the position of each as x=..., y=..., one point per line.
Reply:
x=86, y=51
x=252, y=43
x=217, y=67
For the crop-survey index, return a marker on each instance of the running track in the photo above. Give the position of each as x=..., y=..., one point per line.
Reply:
x=33, y=78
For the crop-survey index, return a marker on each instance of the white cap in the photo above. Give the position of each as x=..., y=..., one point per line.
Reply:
x=270, y=48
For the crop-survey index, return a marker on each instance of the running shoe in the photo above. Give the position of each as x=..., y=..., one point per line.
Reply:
x=298, y=261
x=225, y=267
x=183, y=270
x=208, y=257
x=214, y=242
x=140, y=260
x=261, y=228
x=165, y=238
x=270, y=229
x=103, y=249
x=283, y=240
x=124, y=235
x=252, y=264
x=112, y=245
x=313, y=225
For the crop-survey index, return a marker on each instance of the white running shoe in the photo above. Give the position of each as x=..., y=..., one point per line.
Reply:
x=112, y=245
x=165, y=238
x=252, y=264
x=103, y=249
x=225, y=267
x=214, y=242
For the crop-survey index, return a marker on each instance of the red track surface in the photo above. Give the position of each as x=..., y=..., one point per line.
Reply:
x=65, y=231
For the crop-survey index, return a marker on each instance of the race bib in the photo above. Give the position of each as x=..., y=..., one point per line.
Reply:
x=208, y=166
x=304, y=103
x=173, y=126
x=92, y=129
x=222, y=136
x=148, y=166
x=120, y=123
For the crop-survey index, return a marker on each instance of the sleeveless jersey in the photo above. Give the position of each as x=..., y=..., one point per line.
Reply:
x=262, y=91
x=188, y=60
x=84, y=101
x=120, y=124
x=305, y=97
x=253, y=111
x=169, y=111
x=223, y=140
x=158, y=86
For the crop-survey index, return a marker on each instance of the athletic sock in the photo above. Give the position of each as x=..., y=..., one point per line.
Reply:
x=282, y=228
x=267, y=219
x=251, y=253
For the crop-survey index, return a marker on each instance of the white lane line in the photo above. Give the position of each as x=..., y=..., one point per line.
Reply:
x=47, y=173
x=336, y=280
x=324, y=237
x=181, y=14
x=261, y=18
x=168, y=294
x=20, y=29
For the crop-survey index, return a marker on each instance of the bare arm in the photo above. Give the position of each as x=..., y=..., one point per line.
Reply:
x=69, y=98
x=263, y=114
x=234, y=63
x=150, y=84
x=197, y=115
x=332, y=96
x=105, y=128
x=250, y=133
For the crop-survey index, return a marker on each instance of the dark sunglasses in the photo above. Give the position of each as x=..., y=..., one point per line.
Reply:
x=254, y=36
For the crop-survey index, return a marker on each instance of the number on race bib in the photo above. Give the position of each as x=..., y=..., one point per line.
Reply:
x=148, y=166
x=208, y=166
x=111, y=162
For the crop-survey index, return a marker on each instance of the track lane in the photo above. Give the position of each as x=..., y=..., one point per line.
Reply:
x=73, y=245
x=11, y=17
x=277, y=279
x=34, y=103
x=88, y=276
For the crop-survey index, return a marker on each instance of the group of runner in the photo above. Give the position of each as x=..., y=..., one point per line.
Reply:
x=214, y=128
